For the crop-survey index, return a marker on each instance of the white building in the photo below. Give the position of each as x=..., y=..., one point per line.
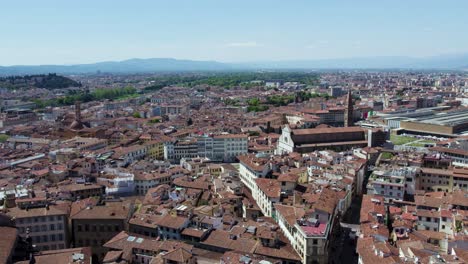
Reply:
x=251, y=168
x=119, y=183
x=389, y=184
x=223, y=148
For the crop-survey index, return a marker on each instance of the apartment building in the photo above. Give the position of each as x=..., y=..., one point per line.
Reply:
x=155, y=149
x=266, y=193
x=446, y=180
x=47, y=226
x=221, y=148
x=95, y=225
x=309, y=233
x=171, y=226
x=252, y=167
x=390, y=184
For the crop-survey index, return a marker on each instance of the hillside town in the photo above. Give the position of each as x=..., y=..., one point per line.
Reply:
x=334, y=167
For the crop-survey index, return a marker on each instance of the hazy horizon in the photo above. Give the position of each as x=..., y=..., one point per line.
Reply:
x=65, y=33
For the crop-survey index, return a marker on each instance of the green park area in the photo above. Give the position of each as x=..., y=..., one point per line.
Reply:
x=401, y=140
x=409, y=141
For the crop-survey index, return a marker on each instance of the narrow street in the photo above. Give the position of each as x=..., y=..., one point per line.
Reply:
x=345, y=247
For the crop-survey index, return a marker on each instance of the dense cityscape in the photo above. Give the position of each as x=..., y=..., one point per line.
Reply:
x=234, y=132
x=242, y=167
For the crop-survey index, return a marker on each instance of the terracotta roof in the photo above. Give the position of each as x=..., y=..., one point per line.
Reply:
x=34, y=212
x=175, y=222
x=290, y=213
x=179, y=255
x=112, y=210
x=271, y=187
x=7, y=243
x=222, y=239
x=311, y=131
x=62, y=256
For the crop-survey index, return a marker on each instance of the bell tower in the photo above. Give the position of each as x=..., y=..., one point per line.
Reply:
x=348, y=116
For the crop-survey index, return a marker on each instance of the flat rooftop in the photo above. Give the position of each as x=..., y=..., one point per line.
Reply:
x=315, y=231
x=445, y=119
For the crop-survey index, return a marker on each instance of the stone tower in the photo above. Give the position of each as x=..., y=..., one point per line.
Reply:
x=348, y=116
x=78, y=111
x=77, y=124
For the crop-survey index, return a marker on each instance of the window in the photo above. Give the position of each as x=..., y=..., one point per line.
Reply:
x=79, y=228
x=60, y=237
x=52, y=237
x=52, y=227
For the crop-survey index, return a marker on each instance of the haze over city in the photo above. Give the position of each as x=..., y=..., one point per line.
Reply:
x=63, y=32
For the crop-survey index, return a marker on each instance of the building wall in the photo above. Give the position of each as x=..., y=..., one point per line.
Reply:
x=142, y=186
x=429, y=128
x=47, y=232
x=95, y=233
x=285, y=142
x=143, y=230
x=248, y=176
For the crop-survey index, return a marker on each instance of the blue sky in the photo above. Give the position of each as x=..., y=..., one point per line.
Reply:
x=84, y=31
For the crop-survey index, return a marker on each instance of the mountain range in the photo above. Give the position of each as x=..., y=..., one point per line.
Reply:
x=445, y=62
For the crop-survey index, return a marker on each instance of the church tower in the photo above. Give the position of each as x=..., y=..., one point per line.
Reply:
x=78, y=111
x=348, y=116
x=77, y=124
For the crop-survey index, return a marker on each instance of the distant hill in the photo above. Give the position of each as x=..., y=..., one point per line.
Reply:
x=446, y=62
x=48, y=81
x=127, y=66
